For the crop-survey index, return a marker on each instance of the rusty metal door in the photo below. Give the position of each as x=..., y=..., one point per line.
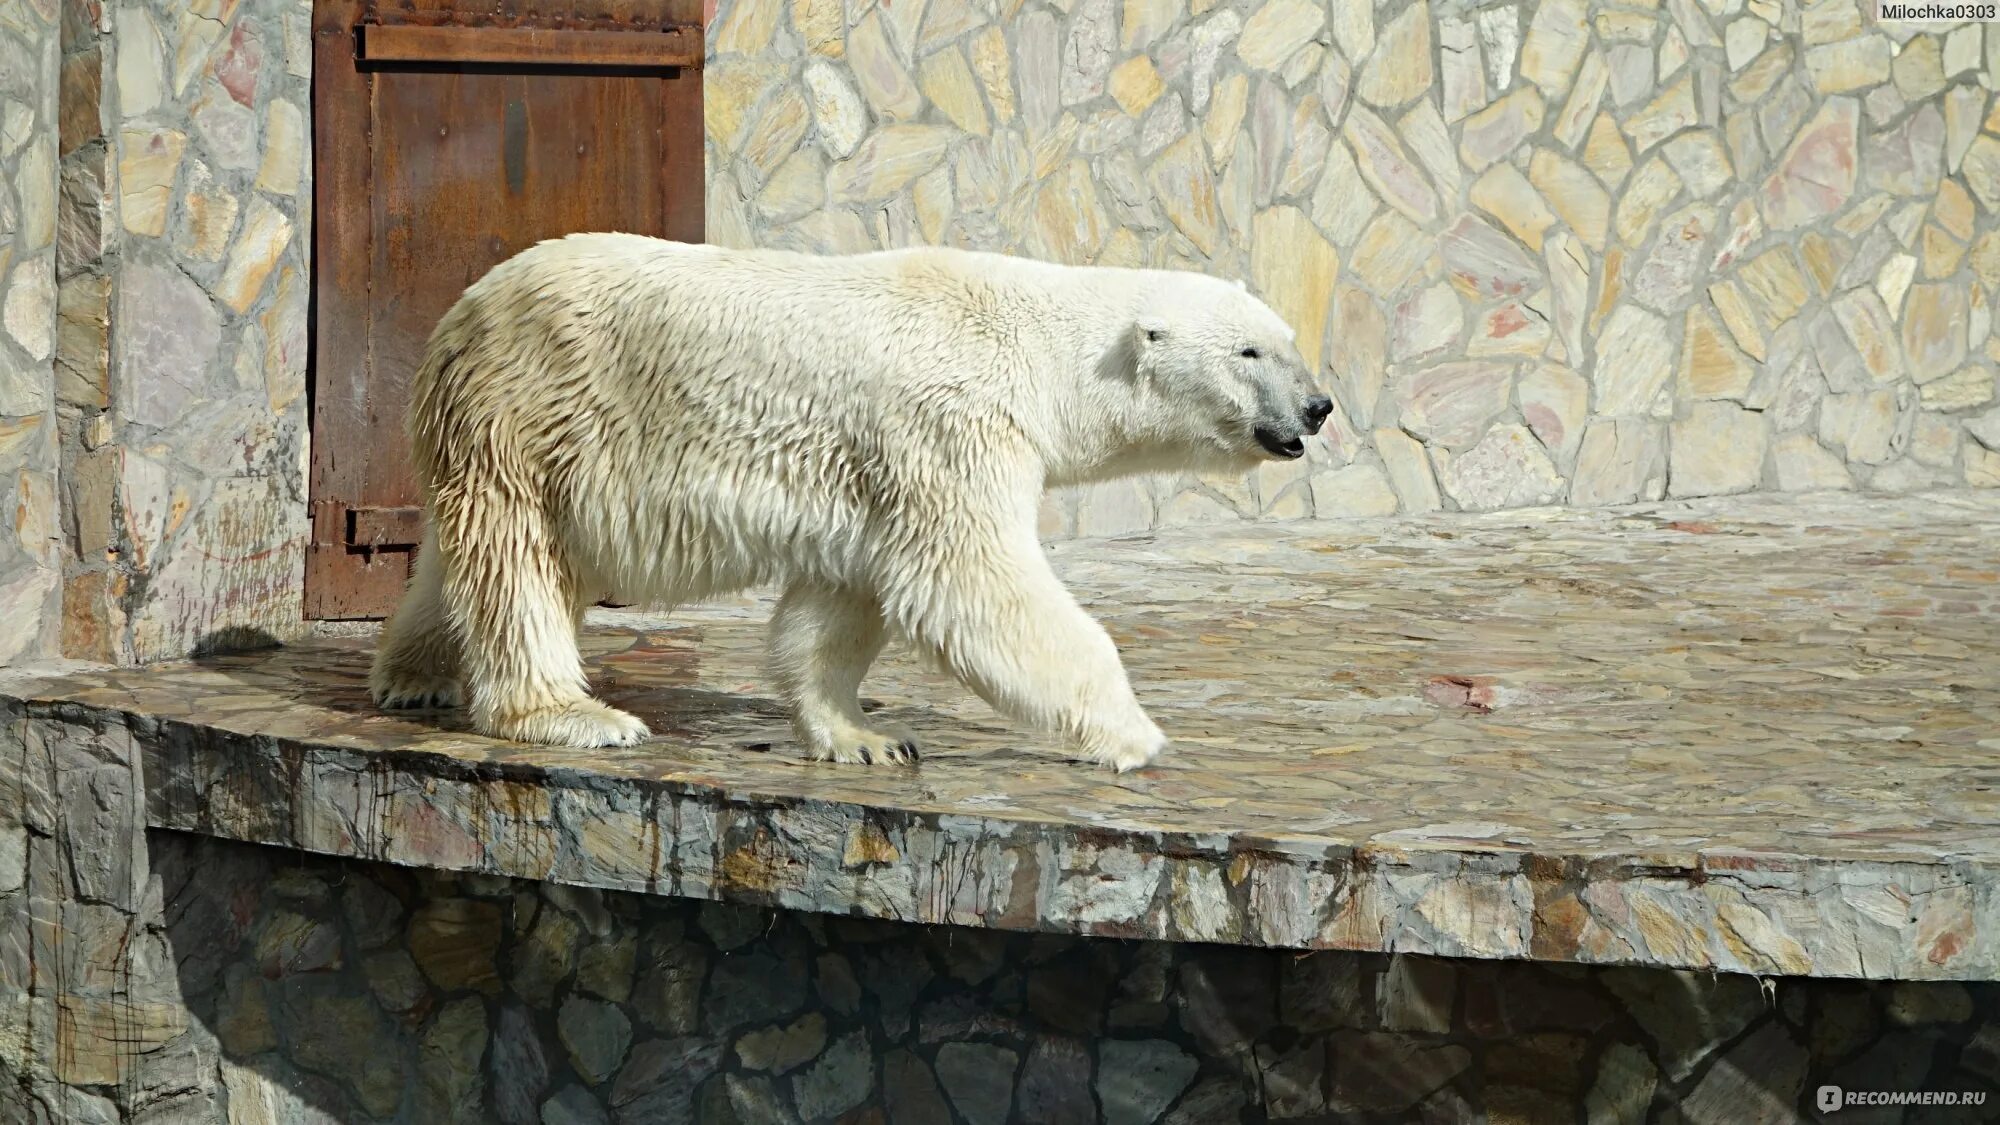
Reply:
x=447, y=136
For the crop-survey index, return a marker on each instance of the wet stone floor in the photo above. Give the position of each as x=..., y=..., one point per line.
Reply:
x=1752, y=735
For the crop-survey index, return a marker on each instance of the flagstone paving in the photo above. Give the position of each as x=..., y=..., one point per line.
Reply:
x=1739, y=734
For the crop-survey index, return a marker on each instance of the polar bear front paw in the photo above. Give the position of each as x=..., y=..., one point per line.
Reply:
x=858, y=746
x=585, y=722
x=1126, y=754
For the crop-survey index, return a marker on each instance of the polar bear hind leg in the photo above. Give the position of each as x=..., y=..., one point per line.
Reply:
x=417, y=660
x=822, y=641
x=517, y=607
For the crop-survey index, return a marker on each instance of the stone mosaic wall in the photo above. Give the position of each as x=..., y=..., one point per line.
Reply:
x=1567, y=252
x=327, y=990
x=1575, y=251
x=183, y=228
x=30, y=559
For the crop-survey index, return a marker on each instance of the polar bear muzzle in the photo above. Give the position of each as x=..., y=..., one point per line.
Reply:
x=1292, y=446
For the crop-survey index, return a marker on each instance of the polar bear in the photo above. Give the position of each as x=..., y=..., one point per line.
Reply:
x=615, y=415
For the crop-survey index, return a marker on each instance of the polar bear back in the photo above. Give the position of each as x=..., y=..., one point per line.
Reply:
x=695, y=419
x=760, y=339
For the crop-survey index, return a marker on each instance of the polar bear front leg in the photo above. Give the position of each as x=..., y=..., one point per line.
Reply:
x=517, y=610
x=997, y=616
x=822, y=642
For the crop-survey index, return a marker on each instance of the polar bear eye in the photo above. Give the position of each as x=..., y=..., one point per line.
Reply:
x=1248, y=353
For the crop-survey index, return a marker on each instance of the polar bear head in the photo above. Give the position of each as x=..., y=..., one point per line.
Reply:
x=1218, y=375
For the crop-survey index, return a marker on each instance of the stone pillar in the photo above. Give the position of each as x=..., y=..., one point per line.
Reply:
x=30, y=568
x=180, y=376
x=87, y=221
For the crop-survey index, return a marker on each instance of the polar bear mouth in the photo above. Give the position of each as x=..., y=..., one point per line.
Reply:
x=1289, y=448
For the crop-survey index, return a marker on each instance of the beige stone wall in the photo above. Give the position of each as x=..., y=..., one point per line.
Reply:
x=1570, y=252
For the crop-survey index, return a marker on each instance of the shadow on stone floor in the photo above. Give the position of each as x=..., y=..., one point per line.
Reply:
x=626, y=672
x=234, y=639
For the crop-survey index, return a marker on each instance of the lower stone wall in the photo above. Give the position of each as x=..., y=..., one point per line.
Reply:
x=336, y=991
x=170, y=978
x=90, y=1004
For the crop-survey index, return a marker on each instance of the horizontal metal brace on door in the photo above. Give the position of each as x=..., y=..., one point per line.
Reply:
x=387, y=529
x=672, y=47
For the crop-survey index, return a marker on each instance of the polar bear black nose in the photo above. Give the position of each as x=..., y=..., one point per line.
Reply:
x=1317, y=408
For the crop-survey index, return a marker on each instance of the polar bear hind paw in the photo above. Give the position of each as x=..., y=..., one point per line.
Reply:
x=856, y=746
x=585, y=722
x=416, y=692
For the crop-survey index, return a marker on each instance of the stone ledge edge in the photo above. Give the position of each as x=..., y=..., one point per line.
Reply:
x=1769, y=916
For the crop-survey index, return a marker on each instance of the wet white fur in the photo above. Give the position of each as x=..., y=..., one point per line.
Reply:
x=611, y=415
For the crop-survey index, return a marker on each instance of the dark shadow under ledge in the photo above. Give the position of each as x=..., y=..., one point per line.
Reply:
x=1753, y=735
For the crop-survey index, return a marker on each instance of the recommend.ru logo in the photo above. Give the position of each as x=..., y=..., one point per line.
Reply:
x=1832, y=1098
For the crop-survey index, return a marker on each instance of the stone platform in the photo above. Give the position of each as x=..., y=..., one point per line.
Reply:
x=1748, y=735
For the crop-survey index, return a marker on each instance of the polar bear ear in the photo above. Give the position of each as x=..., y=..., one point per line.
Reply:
x=1149, y=330
x=1241, y=284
